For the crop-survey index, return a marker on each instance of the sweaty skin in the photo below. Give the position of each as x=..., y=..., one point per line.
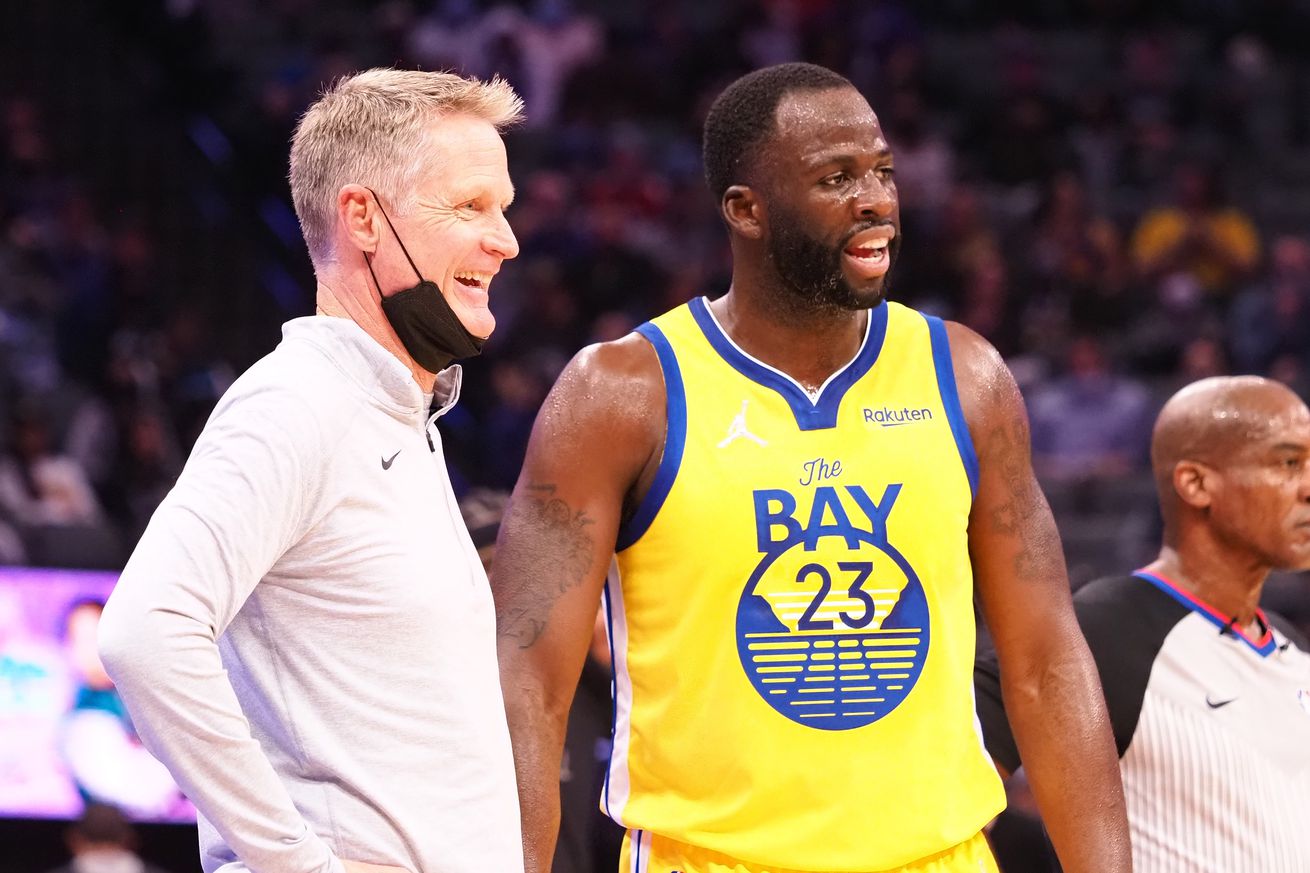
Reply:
x=598, y=440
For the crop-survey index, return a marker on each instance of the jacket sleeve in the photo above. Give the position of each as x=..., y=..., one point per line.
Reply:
x=246, y=495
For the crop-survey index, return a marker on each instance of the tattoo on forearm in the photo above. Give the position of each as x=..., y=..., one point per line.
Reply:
x=551, y=538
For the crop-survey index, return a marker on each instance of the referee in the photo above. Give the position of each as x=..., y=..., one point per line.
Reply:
x=1209, y=695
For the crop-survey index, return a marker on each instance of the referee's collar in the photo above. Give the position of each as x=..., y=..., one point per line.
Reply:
x=1264, y=646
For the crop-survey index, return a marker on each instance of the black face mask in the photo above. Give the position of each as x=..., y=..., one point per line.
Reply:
x=428, y=328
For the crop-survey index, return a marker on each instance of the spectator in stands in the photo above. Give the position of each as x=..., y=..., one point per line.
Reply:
x=520, y=386
x=612, y=140
x=1072, y=249
x=103, y=841
x=191, y=378
x=989, y=304
x=1293, y=372
x=925, y=164
x=537, y=51
x=1025, y=145
x=1198, y=235
x=12, y=550
x=1271, y=318
x=1073, y=264
x=1202, y=358
x=38, y=485
x=1151, y=83
x=1089, y=422
x=1096, y=137
x=967, y=233
x=144, y=470
x=79, y=259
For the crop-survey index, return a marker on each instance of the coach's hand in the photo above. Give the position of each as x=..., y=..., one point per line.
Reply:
x=361, y=867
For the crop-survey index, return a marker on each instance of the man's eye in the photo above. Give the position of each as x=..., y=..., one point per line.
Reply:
x=834, y=179
x=887, y=172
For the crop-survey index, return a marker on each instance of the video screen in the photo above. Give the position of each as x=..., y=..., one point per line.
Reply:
x=67, y=738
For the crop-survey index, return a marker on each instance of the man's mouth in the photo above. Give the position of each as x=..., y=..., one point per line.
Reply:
x=869, y=252
x=469, y=279
x=875, y=253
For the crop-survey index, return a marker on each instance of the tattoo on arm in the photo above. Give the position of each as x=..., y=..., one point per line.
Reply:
x=551, y=539
x=1018, y=514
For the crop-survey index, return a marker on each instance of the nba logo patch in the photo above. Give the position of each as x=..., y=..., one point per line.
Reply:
x=1303, y=698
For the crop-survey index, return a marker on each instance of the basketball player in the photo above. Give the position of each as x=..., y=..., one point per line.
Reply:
x=802, y=482
x=1208, y=694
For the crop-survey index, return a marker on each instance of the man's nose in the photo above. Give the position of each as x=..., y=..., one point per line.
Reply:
x=501, y=241
x=876, y=197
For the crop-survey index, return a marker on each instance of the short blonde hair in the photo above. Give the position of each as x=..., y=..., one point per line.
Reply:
x=368, y=129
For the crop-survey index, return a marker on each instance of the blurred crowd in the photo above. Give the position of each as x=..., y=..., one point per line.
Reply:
x=1113, y=192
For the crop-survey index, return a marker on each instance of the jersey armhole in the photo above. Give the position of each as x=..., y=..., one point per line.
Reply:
x=941, y=358
x=989, y=708
x=675, y=439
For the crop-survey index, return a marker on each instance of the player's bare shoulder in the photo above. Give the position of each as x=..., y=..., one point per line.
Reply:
x=988, y=392
x=607, y=408
x=623, y=371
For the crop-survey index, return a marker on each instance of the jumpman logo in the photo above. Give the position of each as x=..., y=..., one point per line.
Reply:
x=738, y=430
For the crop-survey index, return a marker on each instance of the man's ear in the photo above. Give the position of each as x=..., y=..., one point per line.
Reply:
x=1195, y=483
x=358, y=216
x=744, y=211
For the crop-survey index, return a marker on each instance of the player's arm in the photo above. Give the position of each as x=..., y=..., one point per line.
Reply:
x=595, y=442
x=1048, y=679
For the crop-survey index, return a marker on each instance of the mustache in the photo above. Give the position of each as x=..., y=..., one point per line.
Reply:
x=870, y=225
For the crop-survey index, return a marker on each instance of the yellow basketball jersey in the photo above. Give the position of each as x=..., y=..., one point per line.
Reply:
x=792, y=621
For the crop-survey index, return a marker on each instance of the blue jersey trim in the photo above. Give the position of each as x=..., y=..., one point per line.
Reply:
x=675, y=440
x=1263, y=647
x=614, y=695
x=818, y=414
x=941, y=358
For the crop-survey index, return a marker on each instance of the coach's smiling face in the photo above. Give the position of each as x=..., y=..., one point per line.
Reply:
x=456, y=231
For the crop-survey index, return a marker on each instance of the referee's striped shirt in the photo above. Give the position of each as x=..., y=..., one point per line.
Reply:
x=1212, y=726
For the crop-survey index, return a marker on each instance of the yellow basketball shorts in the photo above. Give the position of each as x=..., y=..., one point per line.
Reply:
x=644, y=852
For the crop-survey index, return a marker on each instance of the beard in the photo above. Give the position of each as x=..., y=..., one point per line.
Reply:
x=811, y=269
